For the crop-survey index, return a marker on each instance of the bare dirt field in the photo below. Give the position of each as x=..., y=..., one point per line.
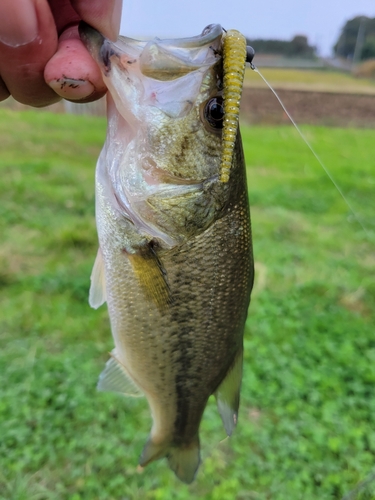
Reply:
x=308, y=107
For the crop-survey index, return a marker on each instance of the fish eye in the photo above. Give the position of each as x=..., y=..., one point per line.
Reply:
x=214, y=112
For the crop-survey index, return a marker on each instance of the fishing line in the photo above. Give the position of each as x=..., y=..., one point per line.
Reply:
x=348, y=204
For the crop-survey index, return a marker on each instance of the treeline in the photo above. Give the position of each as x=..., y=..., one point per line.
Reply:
x=357, y=39
x=297, y=47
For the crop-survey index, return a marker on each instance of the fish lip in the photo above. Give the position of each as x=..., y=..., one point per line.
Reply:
x=90, y=37
x=208, y=35
x=102, y=49
x=99, y=47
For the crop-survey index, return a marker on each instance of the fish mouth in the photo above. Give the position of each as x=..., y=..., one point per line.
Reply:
x=150, y=84
x=159, y=59
x=91, y=38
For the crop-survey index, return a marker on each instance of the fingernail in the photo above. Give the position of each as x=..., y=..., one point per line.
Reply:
x=18, y=23
x=71, y=88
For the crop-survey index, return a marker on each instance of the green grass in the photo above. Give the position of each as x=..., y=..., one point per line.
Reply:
x=307, y=420
x=313, y=80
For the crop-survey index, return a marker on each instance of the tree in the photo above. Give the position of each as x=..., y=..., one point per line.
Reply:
x=357, y=37
x=297, y=47
x=368, y=49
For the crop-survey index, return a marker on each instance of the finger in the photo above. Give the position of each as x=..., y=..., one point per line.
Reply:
x=64, y=15
x=4, y=92
x=18, y=22
x=27, y=42
x=71, y=72
x=105, y=16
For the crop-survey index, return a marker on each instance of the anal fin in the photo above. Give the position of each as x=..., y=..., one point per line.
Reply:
x=114, y=378
x=228, y=394
x=97, y=294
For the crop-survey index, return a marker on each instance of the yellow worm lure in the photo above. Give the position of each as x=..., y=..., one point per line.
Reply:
x=234, y=60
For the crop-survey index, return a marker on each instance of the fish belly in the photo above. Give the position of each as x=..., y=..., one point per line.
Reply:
x=179, y=355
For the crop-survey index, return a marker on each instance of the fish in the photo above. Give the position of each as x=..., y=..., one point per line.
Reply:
x=175, y=260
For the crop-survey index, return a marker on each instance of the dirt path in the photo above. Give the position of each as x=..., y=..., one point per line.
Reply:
x=259, y=105
x=318, y=108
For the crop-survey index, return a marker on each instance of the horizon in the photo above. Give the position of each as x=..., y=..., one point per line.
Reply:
x=321, y=22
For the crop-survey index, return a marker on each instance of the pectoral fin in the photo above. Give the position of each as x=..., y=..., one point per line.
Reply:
x=97, y=294
x=115, y=378
x=151, y=275
x=228, y=394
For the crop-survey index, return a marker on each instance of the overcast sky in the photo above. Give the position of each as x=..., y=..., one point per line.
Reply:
x=320, y=20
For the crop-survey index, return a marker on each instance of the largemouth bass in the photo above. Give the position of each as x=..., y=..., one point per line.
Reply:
x=175, y=258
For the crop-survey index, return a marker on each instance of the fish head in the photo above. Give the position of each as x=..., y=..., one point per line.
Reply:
x=159, y=88
x=168, y=127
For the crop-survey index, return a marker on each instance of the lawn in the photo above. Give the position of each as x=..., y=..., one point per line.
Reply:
x=307, y=420
x=312, y=80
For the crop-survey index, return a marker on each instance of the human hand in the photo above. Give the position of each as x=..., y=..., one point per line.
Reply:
x=41, y=56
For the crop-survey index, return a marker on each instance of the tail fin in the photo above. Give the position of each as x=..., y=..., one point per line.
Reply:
x=184, y=460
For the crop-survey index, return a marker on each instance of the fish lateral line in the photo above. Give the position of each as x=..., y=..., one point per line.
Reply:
x=305, y=140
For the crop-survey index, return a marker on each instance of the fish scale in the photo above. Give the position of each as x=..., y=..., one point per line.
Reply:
x=175, y=260
x=212, y=312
